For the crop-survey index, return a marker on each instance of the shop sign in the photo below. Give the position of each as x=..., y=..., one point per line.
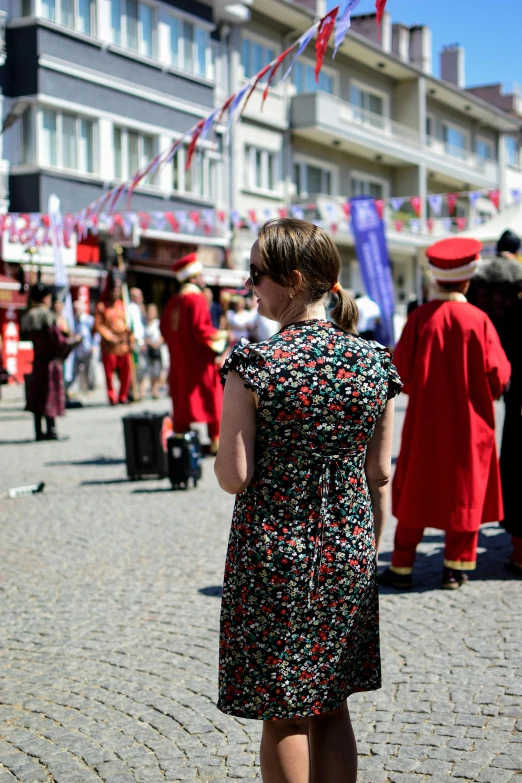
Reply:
x=16, y=245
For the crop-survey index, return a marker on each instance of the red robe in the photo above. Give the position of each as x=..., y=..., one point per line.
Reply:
x=194, y=379
x=452, y=365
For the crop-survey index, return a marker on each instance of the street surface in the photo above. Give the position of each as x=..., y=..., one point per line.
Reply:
x=109, y=611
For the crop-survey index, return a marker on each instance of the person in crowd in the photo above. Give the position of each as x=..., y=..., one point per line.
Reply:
x=453, y=367
x=511, y=451
x=83, y=353
x=153, y=343
x=194, y=345
x=497, y=290
x=369, y=316
x=58, y=307
x=240, y=320
x=216, y=311
x=111, y=325
x=45, y=388
x=137, y=318
x=299, y=619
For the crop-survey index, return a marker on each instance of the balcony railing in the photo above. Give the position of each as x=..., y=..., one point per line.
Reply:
x=440, y=147
x=351, y=113
x=4, y=182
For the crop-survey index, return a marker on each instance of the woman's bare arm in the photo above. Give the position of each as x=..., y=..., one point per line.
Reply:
x=378, y=469
x=234, y=466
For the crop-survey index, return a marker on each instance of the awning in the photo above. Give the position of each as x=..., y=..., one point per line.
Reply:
x=78, y=275
x=232, y=278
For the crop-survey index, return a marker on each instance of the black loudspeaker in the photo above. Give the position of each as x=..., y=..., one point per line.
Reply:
x=144, y=453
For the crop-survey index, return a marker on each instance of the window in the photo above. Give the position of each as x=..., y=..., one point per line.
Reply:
x=260, y=168
x=484, y=149
x=311, y=179
x=303, y=79
x=131, y=152
x=430, y=125
x=366, y=187
x=368, y=107
x=512, y=151
x=201, y=177
x=455, y=141
x=77, y=14
x=132, y=25
x=27, y=148
x=254, y=57
x=67, y=141
x=189, y=47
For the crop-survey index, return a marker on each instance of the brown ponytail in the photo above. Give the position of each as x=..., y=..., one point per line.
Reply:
x=346, y=313
x=287, y=245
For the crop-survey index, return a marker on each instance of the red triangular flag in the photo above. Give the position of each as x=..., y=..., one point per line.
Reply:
x=461, y=223
x=380, y=5
x=195, y=217
x=494, y=197
x=282, y=212
x=416, y=203
x=399, y=225
x=170, y=216
x=451, y=199
x=326, y=26
x=273, y=73
x=259, y=76
x=379, y=206
x=347, y=208
x=193, y=142
x=430, y=223
x=144, y=220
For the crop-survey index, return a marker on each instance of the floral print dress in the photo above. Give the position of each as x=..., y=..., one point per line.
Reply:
x=299, y=616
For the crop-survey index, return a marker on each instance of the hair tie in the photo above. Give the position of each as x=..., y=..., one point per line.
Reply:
x=335, y=288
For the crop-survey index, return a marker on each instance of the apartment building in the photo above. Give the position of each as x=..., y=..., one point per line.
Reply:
x=100, y=87
x=378, y=123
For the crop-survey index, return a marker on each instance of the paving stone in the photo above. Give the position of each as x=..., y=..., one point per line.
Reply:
x=110, y=618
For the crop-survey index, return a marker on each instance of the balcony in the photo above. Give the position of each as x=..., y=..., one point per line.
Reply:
x=323, y=118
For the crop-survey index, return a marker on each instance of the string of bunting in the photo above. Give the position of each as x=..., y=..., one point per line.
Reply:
x=337, y=22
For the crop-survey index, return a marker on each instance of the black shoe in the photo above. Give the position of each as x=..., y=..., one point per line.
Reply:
x=452, y=579
x=389, y=578
x=40, y=436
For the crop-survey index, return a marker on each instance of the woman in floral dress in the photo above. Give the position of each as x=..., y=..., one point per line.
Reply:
x=306, y=446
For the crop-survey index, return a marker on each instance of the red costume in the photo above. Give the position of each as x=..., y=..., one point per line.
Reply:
x=193, y=344
x=452, y=365
x=110, y=323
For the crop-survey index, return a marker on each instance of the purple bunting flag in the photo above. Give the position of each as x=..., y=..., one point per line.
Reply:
x=435, y=200
x=516, y=195
x=474, y=196
x=344, y=22
x=301, y=46
x=396, y=203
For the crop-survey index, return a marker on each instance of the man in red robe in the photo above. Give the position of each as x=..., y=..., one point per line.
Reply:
x=111, y=324
x=194, y=344
x=453, y=367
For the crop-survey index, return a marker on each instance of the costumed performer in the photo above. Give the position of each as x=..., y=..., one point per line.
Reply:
x=453, y=367
x=194, y=345
x=111, y=324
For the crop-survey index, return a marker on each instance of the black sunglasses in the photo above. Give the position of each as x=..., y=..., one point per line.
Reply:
x=255, y=274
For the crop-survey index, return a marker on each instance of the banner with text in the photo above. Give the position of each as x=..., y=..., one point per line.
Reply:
x=372, y=254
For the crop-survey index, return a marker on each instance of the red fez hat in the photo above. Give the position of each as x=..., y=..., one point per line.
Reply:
x=186, y=267
x=454, y=260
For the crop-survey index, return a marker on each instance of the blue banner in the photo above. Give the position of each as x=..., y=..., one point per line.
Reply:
x=372, y=254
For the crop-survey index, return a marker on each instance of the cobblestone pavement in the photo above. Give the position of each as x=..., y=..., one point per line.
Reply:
x=109, y=601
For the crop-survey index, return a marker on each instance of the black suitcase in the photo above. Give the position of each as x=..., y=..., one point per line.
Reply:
x=144, y=453
x=184, y=459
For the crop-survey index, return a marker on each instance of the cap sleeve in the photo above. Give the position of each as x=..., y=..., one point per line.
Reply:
x=248, y=364
x=394, y=382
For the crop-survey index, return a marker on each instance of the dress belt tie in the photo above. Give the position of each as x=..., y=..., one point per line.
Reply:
x=330, y=462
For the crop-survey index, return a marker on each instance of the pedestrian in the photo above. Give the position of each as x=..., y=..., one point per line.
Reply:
x=369, y=316
x=137, y=321
x=58, y=307
x=111, y=324
x=240, y=320
x=45, y=387
x=497, y=289
x=153, y=343
x=453, y=368
x=306, y=445
x=194, y=345
x=216, y=311
x=83, y=353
